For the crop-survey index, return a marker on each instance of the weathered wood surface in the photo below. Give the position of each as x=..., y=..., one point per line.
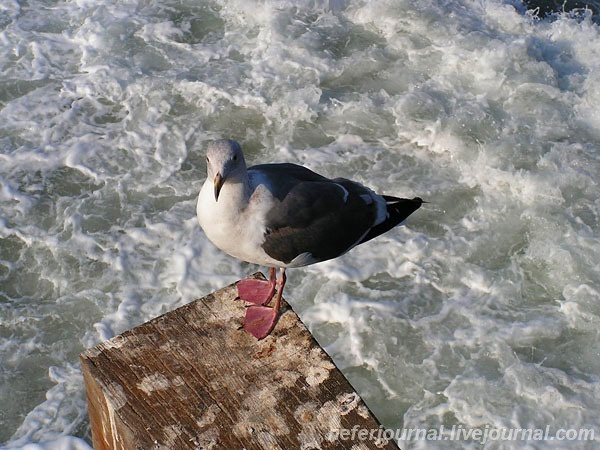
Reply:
x=191, y=379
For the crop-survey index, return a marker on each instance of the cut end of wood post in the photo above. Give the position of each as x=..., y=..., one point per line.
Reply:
x=193, y=379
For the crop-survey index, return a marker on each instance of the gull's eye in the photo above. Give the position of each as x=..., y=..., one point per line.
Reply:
x=235, y=157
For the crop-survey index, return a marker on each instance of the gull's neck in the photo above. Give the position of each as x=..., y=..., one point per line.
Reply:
x=237, y=190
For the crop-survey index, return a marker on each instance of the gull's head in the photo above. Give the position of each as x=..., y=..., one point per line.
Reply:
x=224, y=161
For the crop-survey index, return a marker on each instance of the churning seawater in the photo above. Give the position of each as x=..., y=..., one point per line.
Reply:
x=483, y=310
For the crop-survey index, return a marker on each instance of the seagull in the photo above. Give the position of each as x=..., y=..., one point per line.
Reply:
x=282, y=216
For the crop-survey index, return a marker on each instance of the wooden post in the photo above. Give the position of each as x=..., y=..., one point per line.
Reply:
x=191, y=379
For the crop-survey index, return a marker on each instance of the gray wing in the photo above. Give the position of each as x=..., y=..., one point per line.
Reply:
x=313, y=214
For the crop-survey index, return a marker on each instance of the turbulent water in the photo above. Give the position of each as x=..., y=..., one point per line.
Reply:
x=482, y=311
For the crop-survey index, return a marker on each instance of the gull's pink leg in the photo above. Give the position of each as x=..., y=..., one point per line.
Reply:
x=255, y=291
x=260, y=320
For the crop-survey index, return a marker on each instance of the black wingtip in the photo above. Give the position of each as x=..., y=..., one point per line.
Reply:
x=403, y=208
x=415, y=202
x=398, y=210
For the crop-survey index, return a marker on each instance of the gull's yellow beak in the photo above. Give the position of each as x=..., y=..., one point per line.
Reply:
x=218, y=183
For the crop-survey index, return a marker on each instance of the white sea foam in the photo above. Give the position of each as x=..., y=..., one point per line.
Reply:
x=482, y=310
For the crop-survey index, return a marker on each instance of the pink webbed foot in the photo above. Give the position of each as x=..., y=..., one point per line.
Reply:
x=255, y=291
x=260, y=320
